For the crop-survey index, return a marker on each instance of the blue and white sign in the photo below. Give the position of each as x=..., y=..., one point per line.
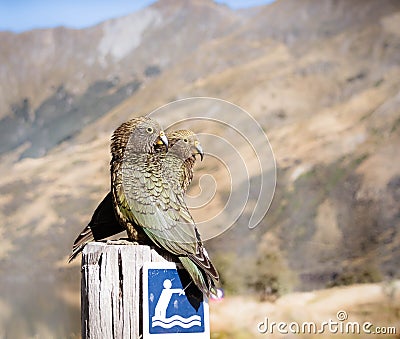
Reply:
x=167, y=312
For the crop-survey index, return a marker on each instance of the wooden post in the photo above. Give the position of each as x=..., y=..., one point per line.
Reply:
x=111, y=289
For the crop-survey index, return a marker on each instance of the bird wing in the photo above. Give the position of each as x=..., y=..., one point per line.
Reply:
x=156, y=202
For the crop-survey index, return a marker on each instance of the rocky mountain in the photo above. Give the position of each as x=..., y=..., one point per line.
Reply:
x=322, y=80
x=82, y=74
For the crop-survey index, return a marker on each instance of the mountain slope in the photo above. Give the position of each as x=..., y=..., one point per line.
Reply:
x=325, y=90
x=70, y=70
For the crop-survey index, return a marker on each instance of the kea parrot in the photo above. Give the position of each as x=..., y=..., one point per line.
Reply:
x=148, y=183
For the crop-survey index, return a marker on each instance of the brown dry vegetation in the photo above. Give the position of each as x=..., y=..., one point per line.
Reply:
x=321, y=78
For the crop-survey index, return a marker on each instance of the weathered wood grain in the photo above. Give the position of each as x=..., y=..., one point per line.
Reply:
x=111, y=289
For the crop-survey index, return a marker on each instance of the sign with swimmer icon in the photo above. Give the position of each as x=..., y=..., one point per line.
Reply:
x=167, y=311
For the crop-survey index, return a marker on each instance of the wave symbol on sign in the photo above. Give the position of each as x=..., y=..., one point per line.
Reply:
x=177, y=320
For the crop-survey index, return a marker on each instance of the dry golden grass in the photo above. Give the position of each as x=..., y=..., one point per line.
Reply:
x=239, y=316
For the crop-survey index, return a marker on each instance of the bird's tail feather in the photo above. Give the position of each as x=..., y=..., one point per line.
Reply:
x=83, y=238
x=200, y=278
x=202, y=259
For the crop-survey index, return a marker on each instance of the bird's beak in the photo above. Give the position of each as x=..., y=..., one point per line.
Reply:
x=199, y=150
x=162, y=139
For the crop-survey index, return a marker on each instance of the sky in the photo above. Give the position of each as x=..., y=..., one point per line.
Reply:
x=21, y=15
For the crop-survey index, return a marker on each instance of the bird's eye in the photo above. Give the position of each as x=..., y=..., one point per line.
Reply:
x=149, y=130
x=185, y=140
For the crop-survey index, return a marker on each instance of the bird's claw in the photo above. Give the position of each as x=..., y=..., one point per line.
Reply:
x=121, y=242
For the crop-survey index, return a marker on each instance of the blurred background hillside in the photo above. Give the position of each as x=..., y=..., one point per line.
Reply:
x=321, y=77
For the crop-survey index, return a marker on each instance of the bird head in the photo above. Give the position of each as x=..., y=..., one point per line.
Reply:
x=185, y=144
x=145, y=135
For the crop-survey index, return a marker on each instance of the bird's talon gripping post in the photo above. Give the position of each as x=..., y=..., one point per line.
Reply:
x=121, y=242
